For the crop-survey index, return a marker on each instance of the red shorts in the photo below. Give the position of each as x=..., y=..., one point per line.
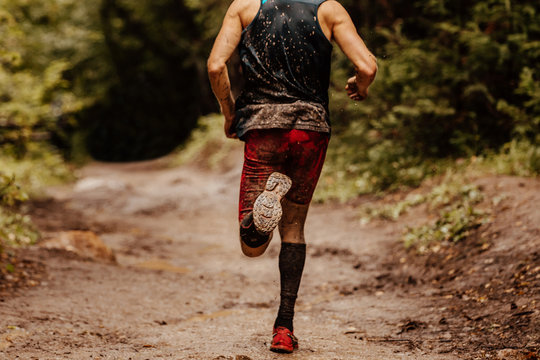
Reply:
x=298, y=154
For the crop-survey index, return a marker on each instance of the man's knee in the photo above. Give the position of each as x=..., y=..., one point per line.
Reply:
x=253, y=243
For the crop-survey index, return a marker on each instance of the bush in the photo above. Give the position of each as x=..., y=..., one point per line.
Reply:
x=39, y=97
x=520, y=158
x=15, y=229
x=453, y=225
x=454, y=80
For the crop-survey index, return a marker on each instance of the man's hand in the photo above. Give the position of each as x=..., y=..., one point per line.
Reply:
x=353, y=91
x=227, y=109
x=230, y=126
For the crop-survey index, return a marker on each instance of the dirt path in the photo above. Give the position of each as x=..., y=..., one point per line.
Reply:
x=180, y=288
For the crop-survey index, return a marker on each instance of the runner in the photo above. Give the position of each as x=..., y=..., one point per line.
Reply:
x=282, y=116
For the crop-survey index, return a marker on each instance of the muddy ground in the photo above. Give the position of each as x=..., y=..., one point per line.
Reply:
x=178, y=287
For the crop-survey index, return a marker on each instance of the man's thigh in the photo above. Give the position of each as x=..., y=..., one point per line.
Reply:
x=296, y=153
x=304, y=162
x=265, y=152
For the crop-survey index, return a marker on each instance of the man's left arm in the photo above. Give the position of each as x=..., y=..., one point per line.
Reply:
x=344, y=32
x=224, y=46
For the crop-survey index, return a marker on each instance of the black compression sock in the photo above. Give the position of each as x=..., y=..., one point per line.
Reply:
x=291, y=265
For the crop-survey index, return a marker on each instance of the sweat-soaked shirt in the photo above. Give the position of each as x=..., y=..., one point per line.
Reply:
x=285, y=60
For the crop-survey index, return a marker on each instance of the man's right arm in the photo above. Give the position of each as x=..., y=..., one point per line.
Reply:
x=344, y=33
x=224, y=46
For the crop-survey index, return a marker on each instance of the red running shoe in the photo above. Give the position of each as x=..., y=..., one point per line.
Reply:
x=283, y=340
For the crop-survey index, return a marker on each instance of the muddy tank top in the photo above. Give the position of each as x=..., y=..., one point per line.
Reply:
x=285, y=59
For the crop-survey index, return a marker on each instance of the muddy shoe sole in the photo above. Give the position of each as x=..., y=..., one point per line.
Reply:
x=267, y=209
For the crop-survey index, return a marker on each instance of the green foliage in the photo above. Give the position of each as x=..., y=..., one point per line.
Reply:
x=454, y=199
x=15, y=229
x=527, y=114
x=36, y=98
x=20, y=178
x=121, y=76
x=39, y=92
x=515, y=158
x=10, y=193
x=453, y=225
x=519, y=158
x=457, y=216
x=41, y=166
x=455, y=80
x=451, y=190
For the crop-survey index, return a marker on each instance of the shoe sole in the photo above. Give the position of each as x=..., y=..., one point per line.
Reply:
x=280, y=350
x=267, y=210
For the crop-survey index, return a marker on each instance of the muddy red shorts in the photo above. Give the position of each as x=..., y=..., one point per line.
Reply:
x=298, y=154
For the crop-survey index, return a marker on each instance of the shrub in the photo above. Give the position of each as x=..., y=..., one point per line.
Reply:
x=15, y=229
x=455, y=80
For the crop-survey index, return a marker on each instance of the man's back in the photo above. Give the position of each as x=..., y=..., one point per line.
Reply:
x=333, y=22
x=286, y=67
x=248, y=9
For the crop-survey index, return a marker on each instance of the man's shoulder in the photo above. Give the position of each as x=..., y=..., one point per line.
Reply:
x=246, y=9
x=331, y=5
x=243, y=5
x=331, y=11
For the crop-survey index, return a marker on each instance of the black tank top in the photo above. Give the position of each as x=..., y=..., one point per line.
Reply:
x=285, y=60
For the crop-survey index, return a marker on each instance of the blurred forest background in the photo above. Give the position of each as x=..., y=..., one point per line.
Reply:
x=124, y=80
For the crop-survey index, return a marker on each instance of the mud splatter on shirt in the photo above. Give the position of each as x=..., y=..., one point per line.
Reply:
x=286, y=65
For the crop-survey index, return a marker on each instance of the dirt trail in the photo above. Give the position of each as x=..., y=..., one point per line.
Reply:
x=182, y=290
